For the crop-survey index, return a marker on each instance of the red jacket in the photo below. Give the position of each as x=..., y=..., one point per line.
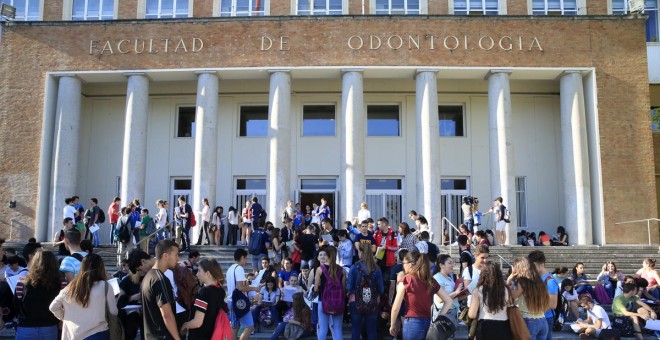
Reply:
x=391, y=245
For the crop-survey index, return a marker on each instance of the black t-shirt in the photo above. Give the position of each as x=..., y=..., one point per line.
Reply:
x=433, y=251
x=395, y=271
x=209, y=300
x=466, y=257
x=307, y=245
x=502, y=210
x=365, y=239
x=156, y=291
x=187, y=210
x=62, y=251
x=32, y=305
x=333, y=233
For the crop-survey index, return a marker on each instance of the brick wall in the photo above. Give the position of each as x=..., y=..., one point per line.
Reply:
x=615, y=47
x=127, y=9
x=53, y=10
x=203, y=9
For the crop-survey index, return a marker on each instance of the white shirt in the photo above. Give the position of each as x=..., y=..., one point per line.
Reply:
x=570, y=297
x=162, y=213
x=474, y=279
x=169, y=274
x=232, y=218
x=70, y=211
x=485, y=314
x=235, y=274
x=206, y=217
x=363, y=214
x=597, y=312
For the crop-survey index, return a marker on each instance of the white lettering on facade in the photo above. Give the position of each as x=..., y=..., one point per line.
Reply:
x=449, y=42
x=151, y=45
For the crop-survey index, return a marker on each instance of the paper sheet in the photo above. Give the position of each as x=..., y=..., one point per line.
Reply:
x=652, y=324
x=94, y=228
x=288, y=292
x=132, y=308
x=114, y=283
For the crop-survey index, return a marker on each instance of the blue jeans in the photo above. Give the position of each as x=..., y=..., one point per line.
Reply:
x=36, y=333
x=95, y=242
x=551, y=322
x=326, y=321
x=105, y=335
x=359, y=321
x=415, y=328
x=279, y=331
x=585, y=289
x=113, y=236
x=538, y=328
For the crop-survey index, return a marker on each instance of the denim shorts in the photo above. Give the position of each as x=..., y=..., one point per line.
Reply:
x=246, y=321
x=415, y=328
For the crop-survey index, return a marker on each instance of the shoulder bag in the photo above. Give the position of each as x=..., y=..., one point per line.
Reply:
x=519, y=329
x=240, y=304
x=114, y=324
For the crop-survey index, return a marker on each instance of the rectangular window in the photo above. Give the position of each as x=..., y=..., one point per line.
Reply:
x=26, y=10
x=620, y=7
x=93, y=10
x=383, y=184
x=318, y=184
x=254, y=121
x=410, y=7
x=476, y=7
x=182, y=184
x=242, y=8
x=157, y=9
x=383, y=120
x=186, y=122
x=451, y=121
x=554, y=7
x=251, y=184
x=521, y=201
x=655, y=118
x=318, y=120
x=320, y=7
x=453, y=184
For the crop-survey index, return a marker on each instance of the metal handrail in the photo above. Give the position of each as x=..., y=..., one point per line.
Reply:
x=503, y=260
x=442, y=237
x=648, y=225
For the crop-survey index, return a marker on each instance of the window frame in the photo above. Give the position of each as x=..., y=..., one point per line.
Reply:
x=302, y=119
x=399, y=119
x=464, y=117
x=67, y=13
x=423, y=8
x=240, y=119
x=177, y=120
x=217, y=9
x=456, y=191
x=25, y=16
x=626, y=11
x=142, y=10
x=654, y=127
x=580, y=8
x=501, y=8
x=521, y=203
x=295, y=9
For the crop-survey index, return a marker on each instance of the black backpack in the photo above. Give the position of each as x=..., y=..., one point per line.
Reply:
x=366, y=297
x=101, y=218
x=123, y=234
x=256, y=242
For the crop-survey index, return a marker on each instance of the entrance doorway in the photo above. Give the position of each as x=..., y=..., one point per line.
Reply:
x=308, y=198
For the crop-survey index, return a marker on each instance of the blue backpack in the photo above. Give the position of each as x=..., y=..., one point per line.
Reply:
x=257, y=241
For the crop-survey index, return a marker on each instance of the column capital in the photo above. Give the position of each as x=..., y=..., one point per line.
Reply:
x=198, y=72
x=497, y=71
x=567, y=72
x=279, y=70
x=68, y=75
x=354, y=69
x=427, y=69
x=130, y=74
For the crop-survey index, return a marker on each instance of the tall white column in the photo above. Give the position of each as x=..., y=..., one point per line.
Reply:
x=502, y=162
x=353, y=123
x=279, y=136
x=575, y=159
x=43, y=229
x=206, y=144
x=134, y=159
x=65, y=163
x=428, y=149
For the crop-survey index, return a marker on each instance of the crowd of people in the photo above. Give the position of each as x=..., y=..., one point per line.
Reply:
x=305, y=278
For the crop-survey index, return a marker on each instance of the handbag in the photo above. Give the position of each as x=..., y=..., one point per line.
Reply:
x=519, y=329
x=114, y=324
x=441, y=327
x=240, y=304
x=469, y=322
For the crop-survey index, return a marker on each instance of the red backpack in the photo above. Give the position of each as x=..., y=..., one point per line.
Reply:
x=222, y=329
x=333, y=293
x=193, y=221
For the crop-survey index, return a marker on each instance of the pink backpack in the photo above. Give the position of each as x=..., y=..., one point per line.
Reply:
x=333, y=294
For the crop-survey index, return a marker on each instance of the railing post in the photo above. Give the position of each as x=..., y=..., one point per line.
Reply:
x=648, y=228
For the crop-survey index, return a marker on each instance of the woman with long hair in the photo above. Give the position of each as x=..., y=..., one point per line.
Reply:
x=531, y=296
x=328, y=270
x=649, y=273
x=216, y=230
x=610, y=277
x=298, y=315
x=562, y=237
x=81, y=305
x=581, y=280
x=209, y=301
x=417, y=288
x=408, y=239
x=206, y=221
x=276, y=249
x=444, y=274
x=232, y=220
x=246, y=222
x=366, y=267
x=488, y=304
x=34, y=295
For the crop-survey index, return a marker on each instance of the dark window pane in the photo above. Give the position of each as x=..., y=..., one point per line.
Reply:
x=254, y=121
x=182, y=184
x=451, y=120
x=453, y=184
x=318, y=120
x=383, y=184
x=383, y=120
x=251, y=184
x=318, y=184
x=186, y=123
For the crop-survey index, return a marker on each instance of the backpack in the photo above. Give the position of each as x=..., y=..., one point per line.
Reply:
x=77, y=256
x=366, y=298
x=266, y=317
x=187, y=284
x=123, y=234
x=333, y=293
x=101, y=218
x=469, y=267
x=507, y=215
x=193, y=221
x=222, y=329
x=256, y=242
x=151, y=226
